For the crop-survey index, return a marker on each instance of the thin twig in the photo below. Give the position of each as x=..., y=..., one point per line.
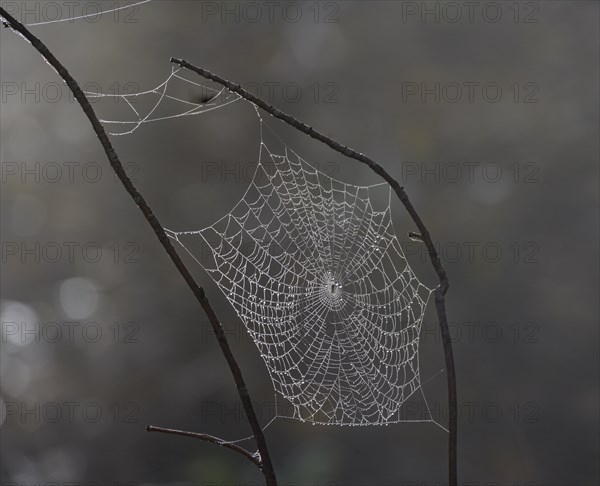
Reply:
x=440, y=290
x=209, y=438
x=266, y=466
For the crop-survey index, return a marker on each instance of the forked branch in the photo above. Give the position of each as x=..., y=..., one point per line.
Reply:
x=264, y=460
x=423, y=235
x=254, y=458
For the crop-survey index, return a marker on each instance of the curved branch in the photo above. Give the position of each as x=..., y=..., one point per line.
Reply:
x=210, y=438
x=267, y=466
x=423, y=235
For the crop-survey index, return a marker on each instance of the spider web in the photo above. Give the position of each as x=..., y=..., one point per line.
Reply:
x=319, y=279
x=149, y=106
x=315, y=272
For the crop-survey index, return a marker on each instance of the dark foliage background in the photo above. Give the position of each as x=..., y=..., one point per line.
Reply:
x=525, y=321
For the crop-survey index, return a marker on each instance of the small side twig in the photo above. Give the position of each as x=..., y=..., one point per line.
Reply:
x=266, y=464
x=424, y=235
x=254, y=458
x=415, y=236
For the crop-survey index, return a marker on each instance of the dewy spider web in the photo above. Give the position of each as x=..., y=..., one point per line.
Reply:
x=216, y=98
x=318, y=277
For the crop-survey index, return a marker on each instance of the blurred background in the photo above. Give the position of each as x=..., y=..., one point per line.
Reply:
x=487, y=113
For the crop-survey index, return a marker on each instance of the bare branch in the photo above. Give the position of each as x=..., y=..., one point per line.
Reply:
x=423, y=235
x=255, y=458
x=267, y=467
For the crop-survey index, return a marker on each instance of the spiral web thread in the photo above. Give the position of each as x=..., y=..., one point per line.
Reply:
x=320, y=281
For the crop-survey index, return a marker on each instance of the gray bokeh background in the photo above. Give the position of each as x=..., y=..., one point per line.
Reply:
x=527, y=372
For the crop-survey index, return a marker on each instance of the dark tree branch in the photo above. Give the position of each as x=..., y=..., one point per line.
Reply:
x=210, y=438
x=265, y=460
x=423, y=235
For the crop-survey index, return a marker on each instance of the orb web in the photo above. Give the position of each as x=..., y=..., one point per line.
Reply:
x=314, y=270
